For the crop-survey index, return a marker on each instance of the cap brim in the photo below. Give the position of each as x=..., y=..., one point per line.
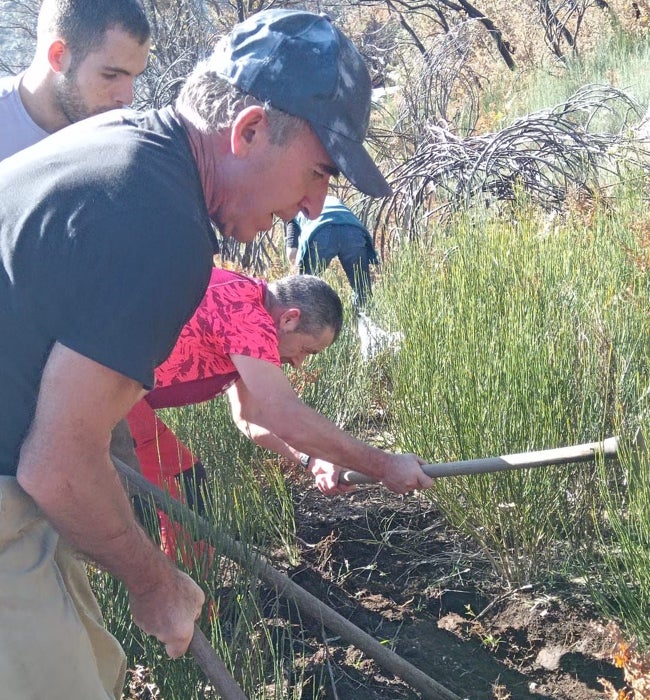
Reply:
x=352, y=159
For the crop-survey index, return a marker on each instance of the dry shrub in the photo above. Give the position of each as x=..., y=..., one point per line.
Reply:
x=635, y=665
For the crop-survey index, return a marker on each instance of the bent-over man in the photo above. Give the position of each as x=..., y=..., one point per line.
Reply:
x=106, y=250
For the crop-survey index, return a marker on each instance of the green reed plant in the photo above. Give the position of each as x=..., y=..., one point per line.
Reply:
x=247, y=492
x=517, y=337
x=622, y=62
x=620, y=584
x=335, y=382
x=249, y=500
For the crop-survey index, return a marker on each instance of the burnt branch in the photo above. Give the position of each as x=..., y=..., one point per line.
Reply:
x=567, y=151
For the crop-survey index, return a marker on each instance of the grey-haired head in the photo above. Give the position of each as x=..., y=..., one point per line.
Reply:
x=300, y=63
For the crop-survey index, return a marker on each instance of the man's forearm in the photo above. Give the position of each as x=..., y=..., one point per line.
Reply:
x=89, y=508
x=269, y=441
x=309, y=432
x=65, y=467
x=265, y=398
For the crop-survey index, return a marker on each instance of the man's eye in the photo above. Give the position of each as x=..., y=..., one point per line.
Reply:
x=109, y=76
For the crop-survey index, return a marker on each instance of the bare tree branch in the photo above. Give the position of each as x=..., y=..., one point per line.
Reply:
x=548, y=156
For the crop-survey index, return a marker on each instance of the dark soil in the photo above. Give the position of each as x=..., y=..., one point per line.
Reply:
x=388, y=564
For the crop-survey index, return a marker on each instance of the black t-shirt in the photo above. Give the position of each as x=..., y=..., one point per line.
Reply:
x=105, y=246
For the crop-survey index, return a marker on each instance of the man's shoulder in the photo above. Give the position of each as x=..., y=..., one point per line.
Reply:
x=228, y=286
x=233, y=302
x=18, y=130
x=334, y=211
x=222, y=275
x=8, y=86
x=10, y=101
x=141, y=156
x=148, y=124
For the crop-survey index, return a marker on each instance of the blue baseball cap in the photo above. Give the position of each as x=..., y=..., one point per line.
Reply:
x=302, y=64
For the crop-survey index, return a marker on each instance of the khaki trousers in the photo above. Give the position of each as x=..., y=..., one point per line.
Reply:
x=53, y=644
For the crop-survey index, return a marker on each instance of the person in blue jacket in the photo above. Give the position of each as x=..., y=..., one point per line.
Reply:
x=312, y=244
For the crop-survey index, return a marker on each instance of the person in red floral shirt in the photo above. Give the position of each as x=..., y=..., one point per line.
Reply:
x=242, y=332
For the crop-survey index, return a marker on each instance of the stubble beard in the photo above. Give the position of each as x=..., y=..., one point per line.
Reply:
x=69, y=99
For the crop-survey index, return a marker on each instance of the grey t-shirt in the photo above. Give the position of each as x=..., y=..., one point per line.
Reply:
x=17, y=129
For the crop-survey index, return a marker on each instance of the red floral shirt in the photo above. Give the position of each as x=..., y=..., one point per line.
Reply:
x=231, y=320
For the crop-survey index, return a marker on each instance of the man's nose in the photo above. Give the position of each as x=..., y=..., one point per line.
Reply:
x=312, y=204
x=124, y=95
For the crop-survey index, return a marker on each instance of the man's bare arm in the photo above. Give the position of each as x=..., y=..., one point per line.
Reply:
x=268, y=400
x=259, y=435
x=65, y=467
x=326, y=474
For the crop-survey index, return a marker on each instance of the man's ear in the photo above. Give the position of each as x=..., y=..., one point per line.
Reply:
x=248, y=127
x=58, y=56
x=289, y=320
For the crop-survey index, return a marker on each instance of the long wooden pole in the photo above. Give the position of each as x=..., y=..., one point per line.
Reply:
x=308, y=604
x=522, y=460
x=214, y=668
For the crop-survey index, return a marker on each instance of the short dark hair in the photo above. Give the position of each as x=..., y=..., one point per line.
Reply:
x=83, y=23
x=320, y=306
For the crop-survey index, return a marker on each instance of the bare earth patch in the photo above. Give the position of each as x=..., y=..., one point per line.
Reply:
x=388, y=564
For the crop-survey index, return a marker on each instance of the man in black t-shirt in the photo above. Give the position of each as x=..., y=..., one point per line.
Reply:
x=106, y=246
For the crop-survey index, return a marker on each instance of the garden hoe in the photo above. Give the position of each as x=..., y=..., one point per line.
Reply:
x=523, y=460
